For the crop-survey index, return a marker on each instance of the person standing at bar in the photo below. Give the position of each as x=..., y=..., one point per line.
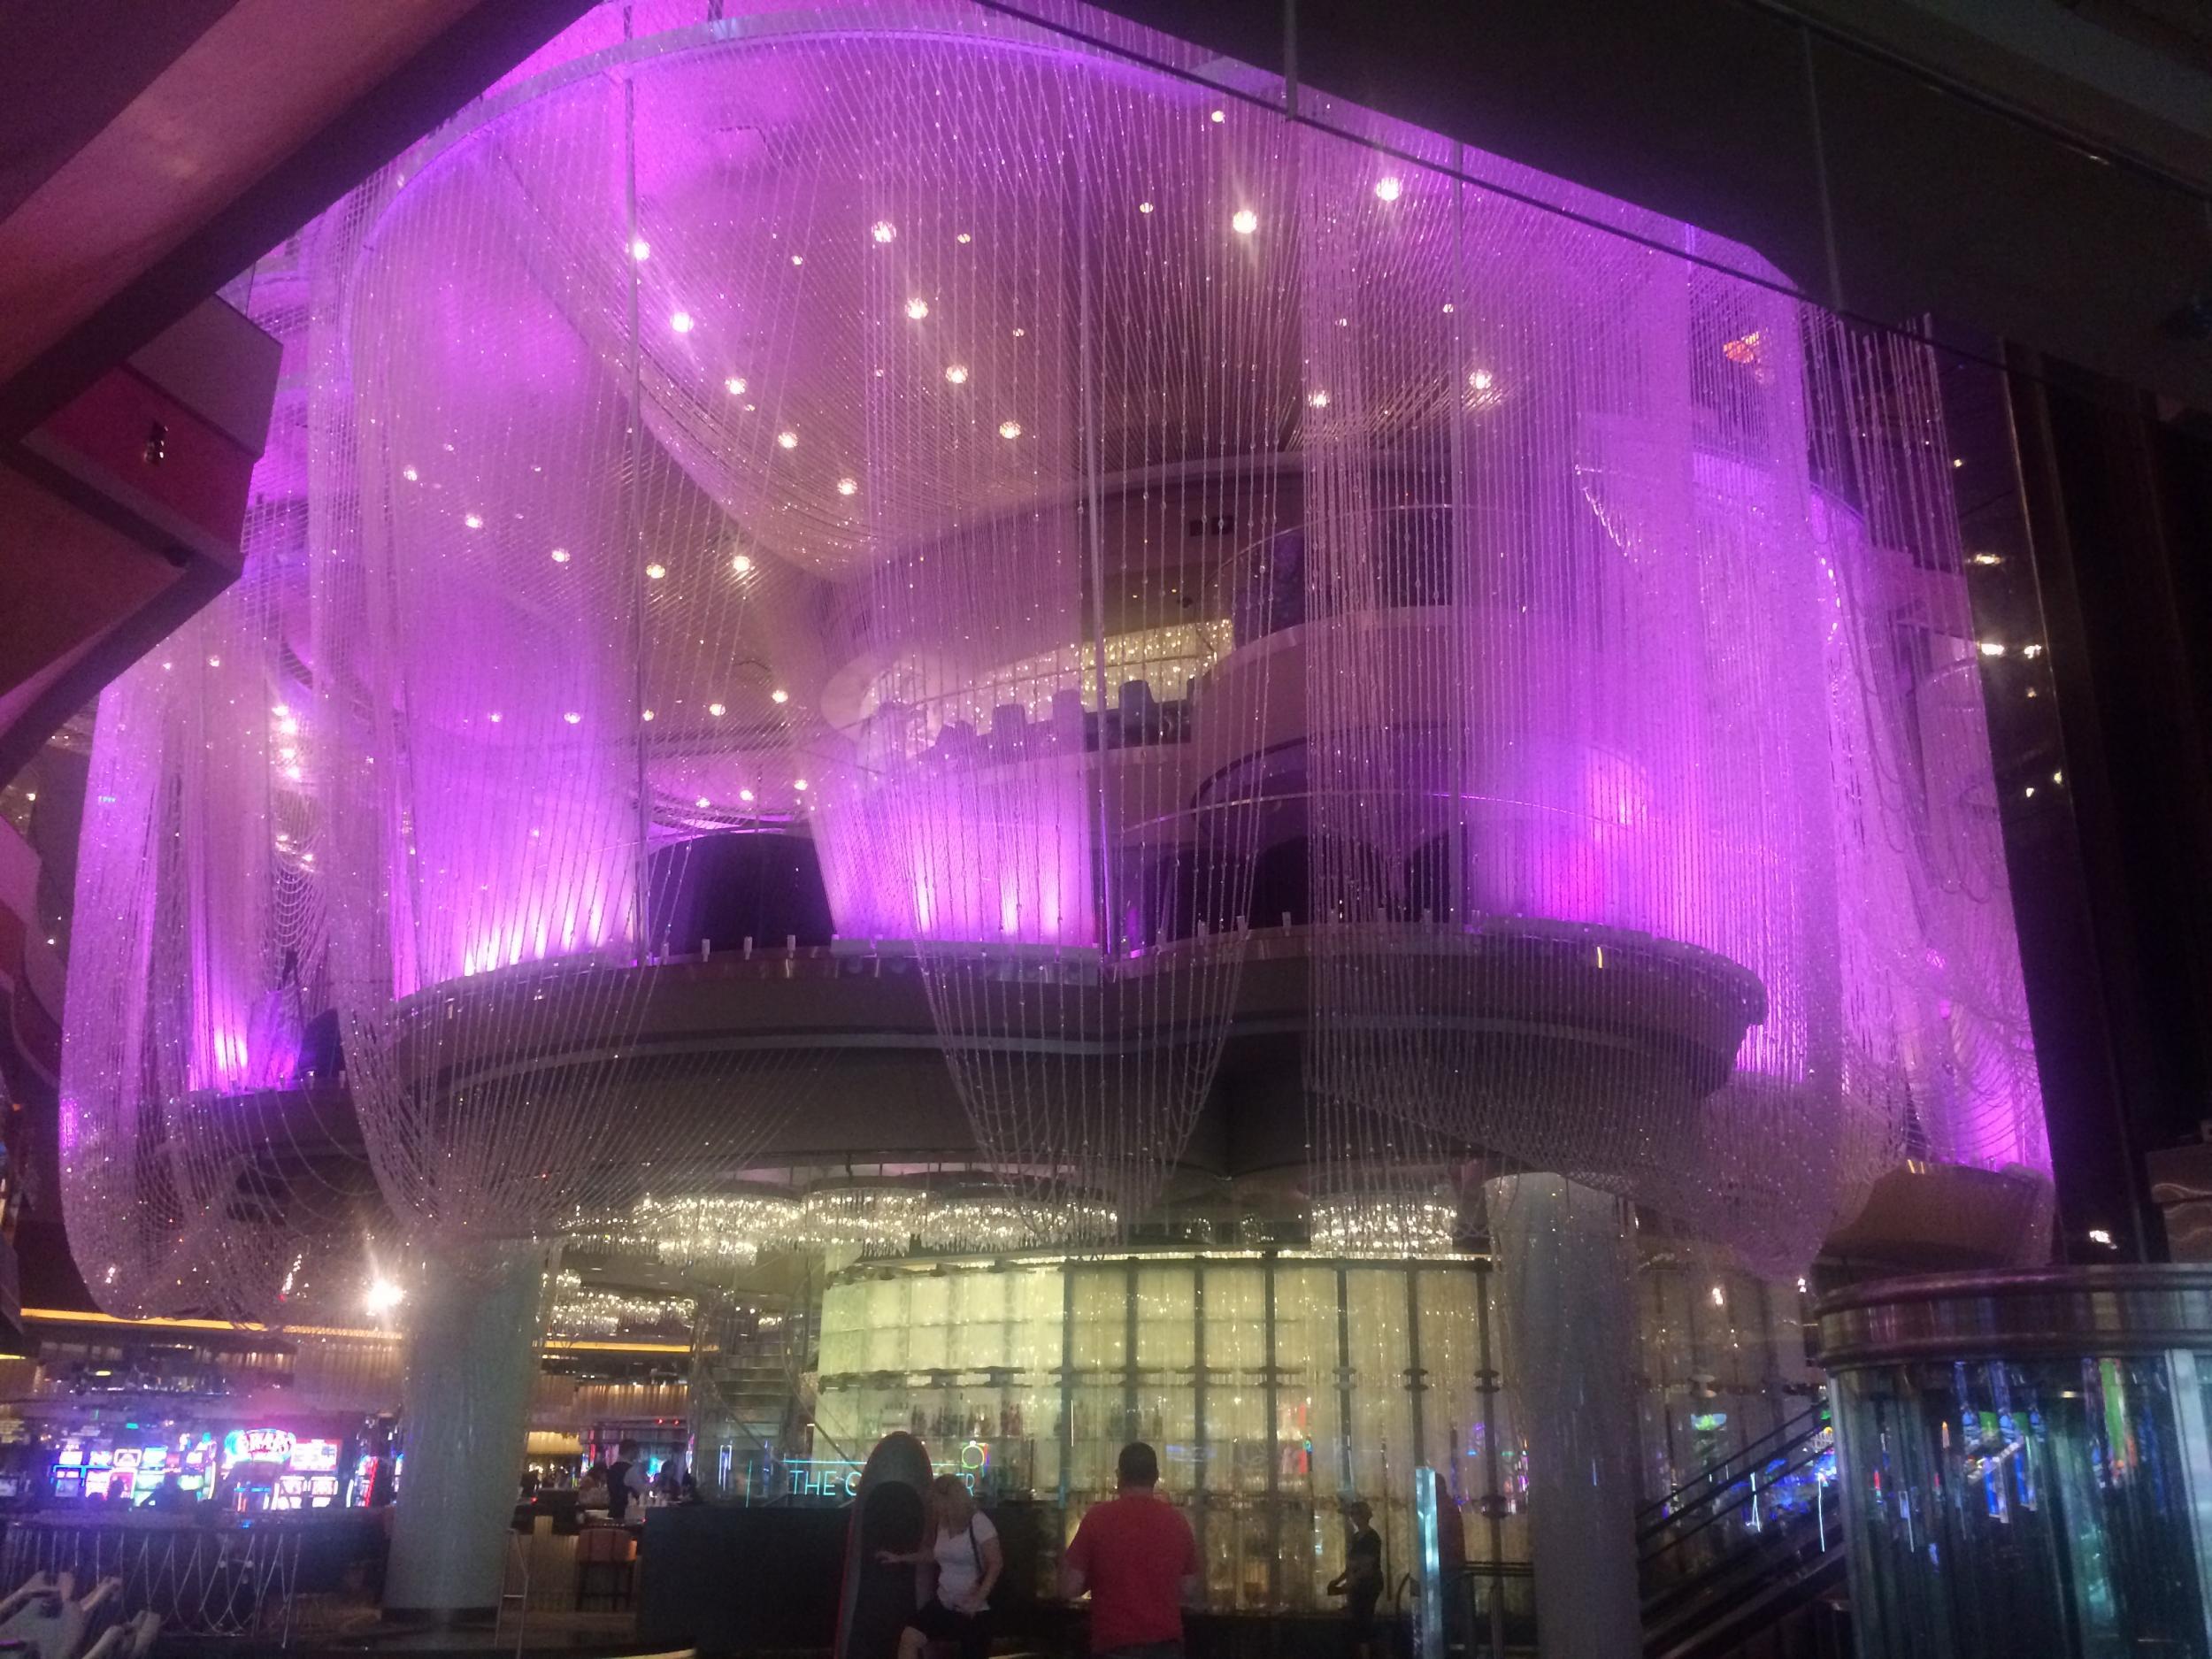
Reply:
x=1137, y=1557
x=1361, y=1583
x=626, y=1481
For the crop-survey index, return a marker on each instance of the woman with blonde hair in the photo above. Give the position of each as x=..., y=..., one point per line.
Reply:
x=960, y=1542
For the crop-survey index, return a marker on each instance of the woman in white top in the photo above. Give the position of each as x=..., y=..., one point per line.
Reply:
x=959, y=1541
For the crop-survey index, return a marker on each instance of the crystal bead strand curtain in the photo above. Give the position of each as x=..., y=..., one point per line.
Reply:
x=1938, y=1018
x=543, y=642
x=1069, y=384
x=196, y=1176
x=1566, y=711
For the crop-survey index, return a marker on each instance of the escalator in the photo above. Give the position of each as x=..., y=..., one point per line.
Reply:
x=1745, y=1560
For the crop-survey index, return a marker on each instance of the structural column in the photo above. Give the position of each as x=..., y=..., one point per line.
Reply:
x=1564, y=1256
x=472, y=1368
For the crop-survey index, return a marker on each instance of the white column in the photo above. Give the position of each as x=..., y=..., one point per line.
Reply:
x=1566, y=1265
x=472, y=1367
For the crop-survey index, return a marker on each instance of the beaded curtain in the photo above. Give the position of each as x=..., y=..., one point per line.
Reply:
x=200, y=1169
x=1120, y=526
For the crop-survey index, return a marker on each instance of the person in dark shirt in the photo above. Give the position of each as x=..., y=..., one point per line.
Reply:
x=625, y=1482
x=169, y=1495
x=1361, y=1583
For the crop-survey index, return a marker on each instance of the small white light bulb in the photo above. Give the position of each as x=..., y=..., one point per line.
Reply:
x=848, y=486
x=572, y=716
x=918, y=308
x=956, y=374
x=474, y=520
x=681, y=322
x=745, y=794
x=1144, y=207
x=641, y=249
x=1388, y=189
x=742, y=563
x=787, y=439
x=560, y=556
x=778, y=695
x=1010, y=428
x=409, y=473
x=1244, y=221
x=1317, y=399
x=734, y=386
x=717, y=710
x=1480, y=380
x=885, y=230
x=1218, y=117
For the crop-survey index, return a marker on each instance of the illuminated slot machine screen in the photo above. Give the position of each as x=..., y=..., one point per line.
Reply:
x=69, y=1483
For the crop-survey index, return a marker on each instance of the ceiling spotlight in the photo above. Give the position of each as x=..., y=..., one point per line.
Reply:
x=1010, y=428
x=799, y=783
x=734, y=386
x=680, y=321
x=848, y=486
x=964, y=239
x=657, y=571
x=742, y=563
x=409, y=473
x=560, y=556
x=1988, y=559
x=647, y=715
x=1218, y=117
x=1481, y=380
x=495, y=717
x=382, y=1298
x=1388, y=189
x=918, y=308
x=280, y=711
x=884, y=231
x=744, y=795
x=292, y=772
x=798, y=258
x=957, y=373
x=717, y=710
x=641, y=249
x=572, y=716
x=214, y=662
x=1317, y=399
x=1244, y=221
x=1992, y=648
x=787, y=439
x=778, y=695
x=474, y=520
x=702, y=800
x=1144, y=207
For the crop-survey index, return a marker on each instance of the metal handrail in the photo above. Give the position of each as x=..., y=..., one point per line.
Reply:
x=1811, y=1455
x=1669, y=1507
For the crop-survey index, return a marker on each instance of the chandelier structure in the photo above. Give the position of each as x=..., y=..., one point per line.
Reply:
x=1098, y=515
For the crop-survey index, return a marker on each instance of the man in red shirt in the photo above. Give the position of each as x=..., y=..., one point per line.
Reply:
x=1135, y=1554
